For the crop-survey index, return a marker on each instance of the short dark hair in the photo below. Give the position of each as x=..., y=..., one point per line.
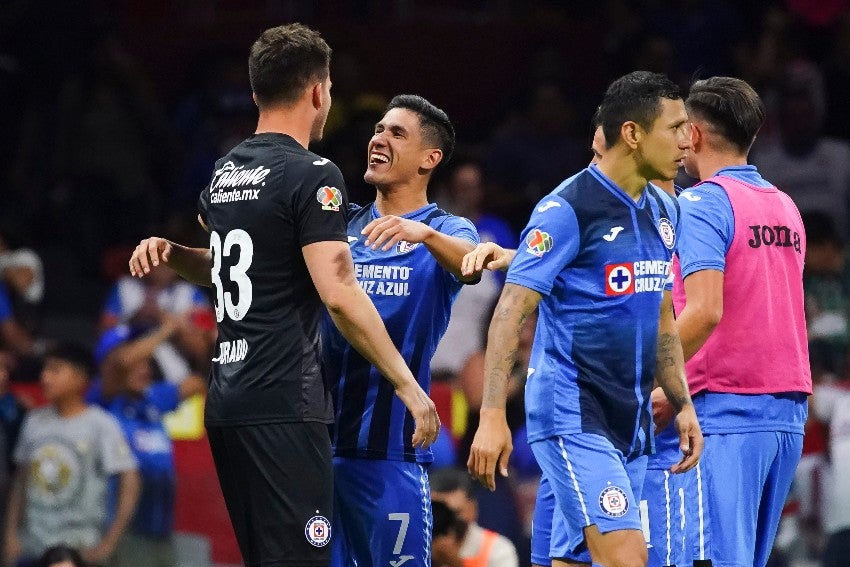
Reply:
x=436, y=127
x=634, y=97
x=284, y=60
x=445, y=521
x=450, y=479
x=74, y=354
x=58, y=554
x=731, y=106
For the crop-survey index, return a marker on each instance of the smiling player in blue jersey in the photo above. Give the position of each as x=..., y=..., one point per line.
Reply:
x=597, y=256
x=407, y=255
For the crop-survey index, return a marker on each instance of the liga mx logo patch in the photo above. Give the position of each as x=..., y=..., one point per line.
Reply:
x=404, y=246
x=619, y=279
x=668, y=233
x=614, y=502
x=318, y=531
x=539, y=242
x=329, y=197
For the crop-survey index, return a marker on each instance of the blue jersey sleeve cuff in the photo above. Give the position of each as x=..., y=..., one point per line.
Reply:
x=541, y=288
x=699, y=266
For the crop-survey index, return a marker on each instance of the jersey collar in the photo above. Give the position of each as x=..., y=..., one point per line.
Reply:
x=615, y=189
x=422, y=211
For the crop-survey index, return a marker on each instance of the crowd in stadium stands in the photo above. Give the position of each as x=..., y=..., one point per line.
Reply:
x=101, y=150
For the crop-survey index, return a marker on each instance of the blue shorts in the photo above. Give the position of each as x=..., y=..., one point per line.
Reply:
x=663, y=515
x=585, y=481
x=746, y=478
x=382, y=513
x=695, y=513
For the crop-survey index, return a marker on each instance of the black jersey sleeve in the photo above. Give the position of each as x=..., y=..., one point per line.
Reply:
x=321, y=205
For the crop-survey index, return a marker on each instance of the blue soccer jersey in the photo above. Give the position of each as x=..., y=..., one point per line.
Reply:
x=601, y=261
x=414, y=296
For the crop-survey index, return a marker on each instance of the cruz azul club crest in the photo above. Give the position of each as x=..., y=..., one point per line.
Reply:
x=668, y=233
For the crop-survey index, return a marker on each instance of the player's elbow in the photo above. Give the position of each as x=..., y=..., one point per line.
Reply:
x=337, y=299
x=709, y=315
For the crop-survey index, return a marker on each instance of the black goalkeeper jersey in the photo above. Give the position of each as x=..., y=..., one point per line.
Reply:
x=268, y=198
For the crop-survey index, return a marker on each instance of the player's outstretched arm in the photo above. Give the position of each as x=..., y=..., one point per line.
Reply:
x=670, y=375
x=193, y=264
x=449, y=251
x=492, y=444
x=332, y=270
x=487, y=255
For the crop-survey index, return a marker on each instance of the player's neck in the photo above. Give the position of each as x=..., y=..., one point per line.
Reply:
x=623, y=172
x=400, y=199
x=292, y=121
x=713, y=162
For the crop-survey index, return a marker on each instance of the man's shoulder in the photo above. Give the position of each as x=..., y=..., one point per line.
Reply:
x=41, y=416
x=309, y=164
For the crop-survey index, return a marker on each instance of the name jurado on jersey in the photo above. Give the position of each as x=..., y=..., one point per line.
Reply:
x=376, y=279
x=232, y=351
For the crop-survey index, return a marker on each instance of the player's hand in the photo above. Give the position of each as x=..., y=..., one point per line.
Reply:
x=148, y=254
x=389, y=230
x=492, y=445
x=424, y=413
x=662, y=409
x=487, y=255
x=690, y=439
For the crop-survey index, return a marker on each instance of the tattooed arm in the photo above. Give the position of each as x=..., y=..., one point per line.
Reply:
x=492, y=443
x=670, y=375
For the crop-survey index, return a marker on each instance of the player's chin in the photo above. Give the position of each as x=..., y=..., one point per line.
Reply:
x=371, y=176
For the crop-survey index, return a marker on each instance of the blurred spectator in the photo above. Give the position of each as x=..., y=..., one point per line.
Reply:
x=65, y=455
x=826, y=283
x=60, y=556
x=526, y=475
x=13, y=335
x=472, y=382
x=481, y=547
x=812, y=169
x=129, y=390
x=831, y=404
x=466, y=196
x=20, y=267
x=141, y=304
x=448, y=534
x=12, y=410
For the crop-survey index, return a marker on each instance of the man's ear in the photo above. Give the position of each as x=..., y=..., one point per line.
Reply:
x=318, y=96
x=631, y=133
x=697, y=134
x=431, y=159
